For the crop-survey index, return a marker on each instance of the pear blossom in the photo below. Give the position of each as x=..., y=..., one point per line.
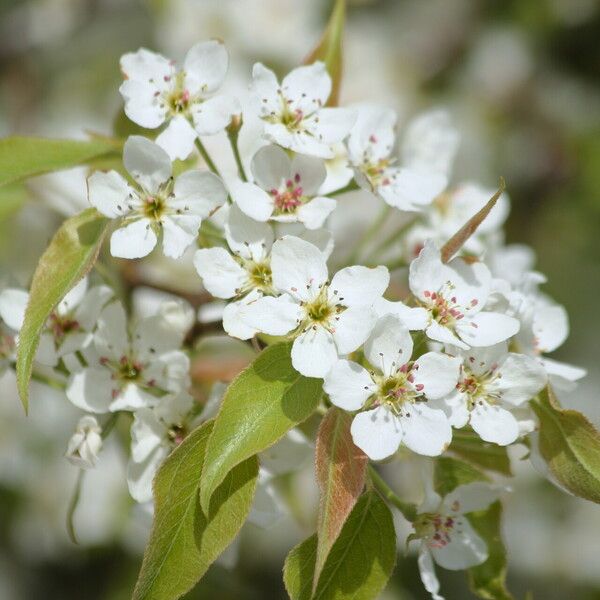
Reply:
x=155, y=431
x=427, y=153
x=85, y=444
x=293, y=112
x=285, y=190
x=157, y=204
x=454, y=296
x=492, y=383
x=326, y=318
x=156, y=92
x=13, y=303
x=130, y=370
x=447, y=538
x=393, y=397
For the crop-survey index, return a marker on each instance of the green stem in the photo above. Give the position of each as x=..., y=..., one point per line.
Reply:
x=369, y=234
x=347, y=188
x=392, y=237
x=408, y=510
x=53, y=383
x=206, y=156
x=73, y=507
x=233, y=141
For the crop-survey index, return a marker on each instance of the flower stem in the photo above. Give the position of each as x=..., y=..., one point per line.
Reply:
x=232, y=134
x=408, y=510
x=392, y=237
x=73, y=507
x=206, y=156
x=369, y=234
x=347, y=188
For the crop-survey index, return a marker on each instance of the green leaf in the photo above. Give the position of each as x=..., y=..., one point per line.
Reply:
x=570, y=445
x=488, y=580
x=340, y=469
x=470, y=447
x=261, y=405
x=329, y=49
x=449, y=473
x=184, y=542
x=22, y=157
x=359, y=563
x=12, y=197
x=70, y=255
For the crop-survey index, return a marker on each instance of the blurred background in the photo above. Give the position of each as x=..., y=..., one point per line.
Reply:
x=522, y=80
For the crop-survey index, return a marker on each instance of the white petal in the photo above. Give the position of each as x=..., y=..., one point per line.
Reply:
x=147, y=433
x=298, y=267
x=12, y=307
x=550, y=327
x=426, y=272
x=333, y=126
x=442, y=334
x=301, y=142
x=111, y=338
x=213, y=115
x=247, y=237
x=109, y=193
x=389, y=346
x=134, y=240
x=353, y=327
x=221, y=275
x=179, y=232
x=359, y=286
x=314, y=213
x=481, y=360
x=494, y=424
x=413, y=189
x=471, y=284
x=274, y=316
x=314, y=353
x=205, y=67
x=270, y=167
x=131, y=398
x=487, y=328
x=563, y=370
x=308, y=172
x=144, y=65
x=264, y=88
x=373, y=134
x=142, y=105
x=234, y=317
x=427, y=573
x=198, y=193
x=471, y=497
x=415, y=318
x=437, y=373
x=146, y=162
x=348, y=385
x=90, y=390
x=520, y=379
x=308, y=87
x=427, y=430
x=377, y=433
x=140, y=475
x=267, y=508
x=464, y=550
x=177, y=140
x=153, y=336
x=73, y=297
x=252, y=200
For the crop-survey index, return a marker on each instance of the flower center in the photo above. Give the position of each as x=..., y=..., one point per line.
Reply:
x=396, y=390
x=476, y=386
x=61, y=325
x=177, y=434
x=322, y=310
x=260, y=276
x=435, y=528
x=154, y=207
x=377, y=172
x=129, y=369
x=290, y=197
x=178, y=99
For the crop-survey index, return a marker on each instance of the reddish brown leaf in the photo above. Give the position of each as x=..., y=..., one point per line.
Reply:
x=455, y=243
x=340, y=468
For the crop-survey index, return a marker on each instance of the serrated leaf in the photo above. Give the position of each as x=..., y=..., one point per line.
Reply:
x=184, y=542
x=470, y=447
x=340, y=469
x=456, y=242
x=359, y=563
x=570, y=445
x=22, y=157
x=70, y=255
x=488, y=580
x=329, y=49
x=260, y=406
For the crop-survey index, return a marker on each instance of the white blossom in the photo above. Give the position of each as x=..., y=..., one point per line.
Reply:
x=156, y=92
x=130, y=371
x=13, y=303
x=427, y=153
x=293, y=112
x=327, y=318
x=284, y=189
x=393, y=397
x=157, y=205
x=454, y=296
x=85, y=444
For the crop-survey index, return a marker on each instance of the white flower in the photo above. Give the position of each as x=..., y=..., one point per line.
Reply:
x=157, y=204
x=156, y=91
x=492, y=383
x=293, y=112
x=328, y=318
x=129, y=372
x=13, y=303
x=85, y=444
x=154, y=433
x=393, y=397
x=454, y=296
x=285, y=189
x=447, y=536
x=427, y=153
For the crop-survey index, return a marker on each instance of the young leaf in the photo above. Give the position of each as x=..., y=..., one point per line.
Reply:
x=488, y=580
x=470, y=447
x=70, y=255
x=12, y=197
x=455, y=243
x=184, y=542
x=261, y=405
x=22, y=157
x=570, y=445
x=359, y=563
x=329, y=49
x=449, y=473
x=340, y=468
